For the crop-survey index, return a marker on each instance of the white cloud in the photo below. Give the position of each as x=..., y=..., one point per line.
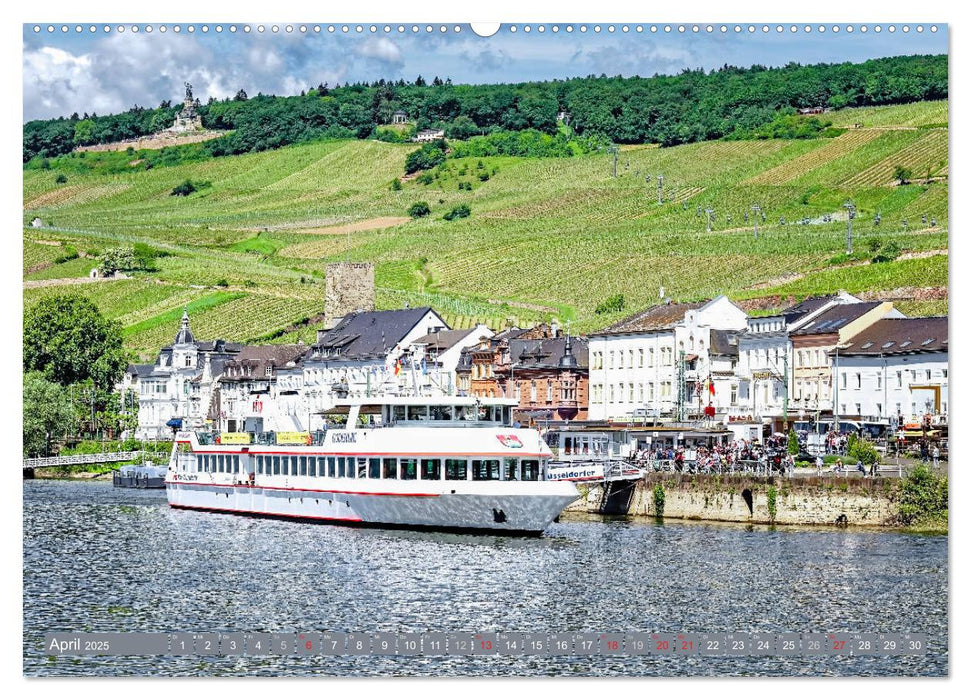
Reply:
x=381, y=49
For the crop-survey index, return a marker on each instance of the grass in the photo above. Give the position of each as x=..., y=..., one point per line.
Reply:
x=547, y=237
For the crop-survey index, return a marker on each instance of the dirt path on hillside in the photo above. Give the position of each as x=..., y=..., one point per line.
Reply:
x=66, y=281
x=380, y=222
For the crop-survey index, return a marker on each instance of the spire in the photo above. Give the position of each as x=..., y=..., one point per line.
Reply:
x=568, y=361
x=184, y=336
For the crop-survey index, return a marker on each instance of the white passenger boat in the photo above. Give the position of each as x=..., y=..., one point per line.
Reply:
x=450, y=463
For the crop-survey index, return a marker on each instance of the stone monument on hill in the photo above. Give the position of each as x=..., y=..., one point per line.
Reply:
x=187, y=119
x=349, y=287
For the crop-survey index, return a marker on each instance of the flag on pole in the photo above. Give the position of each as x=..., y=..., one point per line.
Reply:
x=397, y=367
x=711, y=386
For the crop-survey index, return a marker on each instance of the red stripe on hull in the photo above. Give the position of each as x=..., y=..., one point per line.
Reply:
x=237, y=511
x=284, y=488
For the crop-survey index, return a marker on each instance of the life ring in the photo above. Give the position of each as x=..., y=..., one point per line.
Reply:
x=308, y=440
x=219, y=439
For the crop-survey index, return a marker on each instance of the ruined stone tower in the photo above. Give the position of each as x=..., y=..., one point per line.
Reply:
x=349, y=287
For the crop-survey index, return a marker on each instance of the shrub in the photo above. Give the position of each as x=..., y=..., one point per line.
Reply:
x=483, y=177
x=611, y=305
x=418, y=210
x=396, y=185
x=222, y=283
x=902, y=174
x=890, y=251
x=923, y=496
x=459, y=212
x=426, y=157
x=425, y=179
x=183, y=190
x=60, y=179
x=862, y=450
x=793, y=446
x=658, y=501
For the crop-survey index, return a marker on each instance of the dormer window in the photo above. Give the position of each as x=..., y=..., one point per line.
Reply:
x=188, y=361
x=269, y=370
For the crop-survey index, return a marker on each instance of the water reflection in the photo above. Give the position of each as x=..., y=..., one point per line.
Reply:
x=103, y=559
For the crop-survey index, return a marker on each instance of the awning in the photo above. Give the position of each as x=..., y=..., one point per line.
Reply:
x=175, y=423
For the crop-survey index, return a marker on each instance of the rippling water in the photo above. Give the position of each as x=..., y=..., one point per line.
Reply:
x=101, y=559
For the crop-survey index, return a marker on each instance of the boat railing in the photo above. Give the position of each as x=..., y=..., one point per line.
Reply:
x=315, y=437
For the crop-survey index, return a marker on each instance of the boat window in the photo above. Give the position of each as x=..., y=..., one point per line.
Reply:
x=398, y=412
x=303, y=466
x=340, y=468
x=456, y=469
x=441, y=412
x=417, y=412
x=510, y=468
x=361, y=470
x=530, y=469
x=431, y=469
x=331, y=467
x=311, y=466
x=276, y=465
x=200, y=463
x=409, y=469
x=485, y=469
x=374, y=468
x=390, y=468
x=222, y=463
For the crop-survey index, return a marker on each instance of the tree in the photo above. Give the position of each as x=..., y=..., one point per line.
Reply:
x=183, y=190
x=611, y=305
x=68, y=340
x=459, y=212
x=84, y=132
x=47, y=414
x=117, y=259
x=793, y=446
x=902, y=174
x=418, y=210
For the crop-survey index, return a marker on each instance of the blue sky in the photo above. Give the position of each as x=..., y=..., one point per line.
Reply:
x=71, y=72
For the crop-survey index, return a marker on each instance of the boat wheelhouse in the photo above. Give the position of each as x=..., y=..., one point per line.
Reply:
x=446, y=463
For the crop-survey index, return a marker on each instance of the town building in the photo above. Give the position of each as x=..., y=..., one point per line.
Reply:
x=895, y=369
x=548, y=375
x=658, y=362
x=249, y=395
x=427, y=135
x=364, y=354
x=438, y=355
x=476, y=371
x=177, y=390
x=813, y=367
x=764, y=373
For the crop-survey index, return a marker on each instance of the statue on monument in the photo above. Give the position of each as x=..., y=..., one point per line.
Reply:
x=188, y=92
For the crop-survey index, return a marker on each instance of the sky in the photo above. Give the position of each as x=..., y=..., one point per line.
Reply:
x=66, y=72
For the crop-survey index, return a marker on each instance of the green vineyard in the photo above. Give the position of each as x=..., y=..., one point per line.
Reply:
x=547, y=237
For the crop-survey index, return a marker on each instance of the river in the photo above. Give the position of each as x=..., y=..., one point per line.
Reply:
x=101, y=559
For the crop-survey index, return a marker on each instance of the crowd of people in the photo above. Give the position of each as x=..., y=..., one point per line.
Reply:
x=739, y=456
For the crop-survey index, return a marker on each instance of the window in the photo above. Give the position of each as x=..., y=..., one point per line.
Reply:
x=389, y=468
x=630, y=393
x=431, y=470
x=620, y=391
x=188, y=361
x=611, y=365
x=630, y=358
x=611, y=393
x=276, y=465
x=620, y=360
x=532, y=391
x=650, y=391
x=879, y=409
x=485, y=469
x=640, y=357
x=858, y=410
x=843, y=379
x=409, y=469
x=374, y=468
x=928, y=375
x=456, y=469
x=312, y=466
x=303, y=466
x=510, y=469
x=530, y=469
x=879, y=381
x=332, y=467
x=549, y=391
x=640, y=393
x=650, y=357
x=944, y=373
x=900, y=379
x=859, y=380
x=269, y=371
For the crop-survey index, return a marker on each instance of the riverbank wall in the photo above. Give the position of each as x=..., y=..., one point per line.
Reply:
x=749, y=499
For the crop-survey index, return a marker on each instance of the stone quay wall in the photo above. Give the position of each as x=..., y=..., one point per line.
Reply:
x=745, y=499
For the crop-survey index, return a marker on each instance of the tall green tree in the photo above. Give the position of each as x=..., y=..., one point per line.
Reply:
x=68, y=340
x=47, y=414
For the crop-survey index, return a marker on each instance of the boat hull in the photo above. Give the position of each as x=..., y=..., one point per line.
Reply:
x=483, y=507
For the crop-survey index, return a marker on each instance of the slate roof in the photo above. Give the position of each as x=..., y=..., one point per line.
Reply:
x=140, y=370
x=656, y=318
x=444, y=340
x=831, y=320
x=252, y=360
x=370, y=334
x=806, y=306
x=899, y=336
x=724, y=343
x=545, y=353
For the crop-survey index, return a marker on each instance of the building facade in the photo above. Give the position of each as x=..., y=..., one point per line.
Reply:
x=896, y=369
x=659, y=361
